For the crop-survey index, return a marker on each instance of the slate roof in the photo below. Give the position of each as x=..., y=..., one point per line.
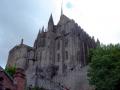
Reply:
x=63, y=19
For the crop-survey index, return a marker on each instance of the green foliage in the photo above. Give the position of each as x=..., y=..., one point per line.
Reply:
x=104, y=72
x=37, y=88
x=10, y=70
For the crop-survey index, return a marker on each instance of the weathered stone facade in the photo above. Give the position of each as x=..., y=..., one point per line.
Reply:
x=57, y=57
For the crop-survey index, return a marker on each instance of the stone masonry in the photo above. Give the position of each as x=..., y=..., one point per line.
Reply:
x=59, y=57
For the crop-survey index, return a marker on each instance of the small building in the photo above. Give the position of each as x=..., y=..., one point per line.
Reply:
x=9, y=83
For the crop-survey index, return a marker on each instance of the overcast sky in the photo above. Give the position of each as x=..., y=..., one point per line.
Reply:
x=23, y=18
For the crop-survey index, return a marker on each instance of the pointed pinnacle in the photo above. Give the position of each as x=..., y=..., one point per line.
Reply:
x=43, y=29
x=51, y=19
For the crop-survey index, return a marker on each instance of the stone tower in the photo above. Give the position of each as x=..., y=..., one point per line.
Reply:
x=59, y=50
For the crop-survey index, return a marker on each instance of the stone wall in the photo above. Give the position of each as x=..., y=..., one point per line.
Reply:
x=65, y=46
x=17, y=53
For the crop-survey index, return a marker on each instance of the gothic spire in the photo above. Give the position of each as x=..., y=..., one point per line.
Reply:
x=43, y=29
x=62, y=8
x=51, y=20
x=50, y=24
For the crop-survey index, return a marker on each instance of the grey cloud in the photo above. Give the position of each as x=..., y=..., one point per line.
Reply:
x=20, y=19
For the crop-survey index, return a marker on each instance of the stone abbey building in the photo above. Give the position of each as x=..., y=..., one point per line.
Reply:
x=57, y=59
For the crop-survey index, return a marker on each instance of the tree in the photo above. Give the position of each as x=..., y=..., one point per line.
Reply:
x=37, y=88
x=104, y=71
x=10, y=70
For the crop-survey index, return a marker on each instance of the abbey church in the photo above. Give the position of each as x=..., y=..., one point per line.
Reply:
x=58, y=58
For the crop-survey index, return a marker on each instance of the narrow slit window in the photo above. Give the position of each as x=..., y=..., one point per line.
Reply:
x=66, y=54
x=58, y=45
x=58, y=57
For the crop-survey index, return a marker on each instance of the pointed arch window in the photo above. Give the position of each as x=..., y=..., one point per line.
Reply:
x=66, y=54
x=58, y=45
x=66, y=42
x=58, y=57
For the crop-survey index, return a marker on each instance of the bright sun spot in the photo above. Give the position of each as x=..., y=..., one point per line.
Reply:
x=69, y=5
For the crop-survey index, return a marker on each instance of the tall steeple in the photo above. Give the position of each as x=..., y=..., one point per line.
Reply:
x=62, y=8
x=50, y=23
x=51, y=20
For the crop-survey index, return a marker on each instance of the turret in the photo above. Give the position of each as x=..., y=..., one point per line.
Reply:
x=50, y=24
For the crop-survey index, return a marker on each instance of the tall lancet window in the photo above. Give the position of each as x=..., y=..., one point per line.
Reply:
x=58, y=45
x=78, y=56
x=58, y=57
x=66, y=54
x=66, y=42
